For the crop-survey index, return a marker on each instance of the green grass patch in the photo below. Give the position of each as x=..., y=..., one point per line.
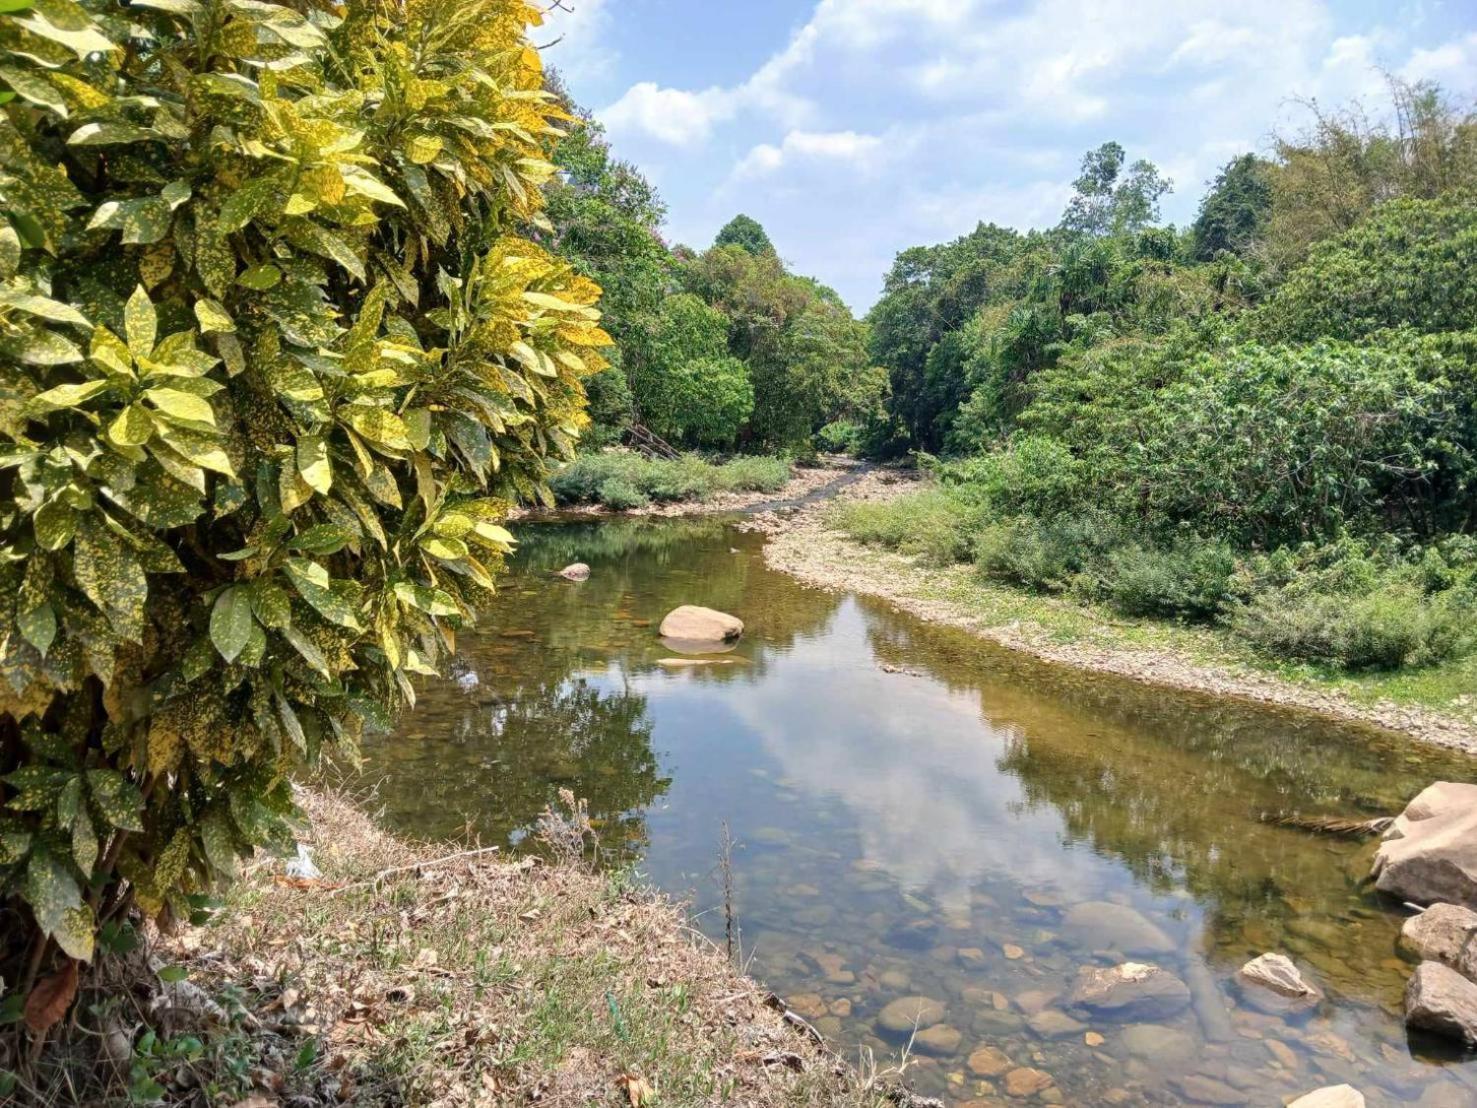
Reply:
x=622, y=481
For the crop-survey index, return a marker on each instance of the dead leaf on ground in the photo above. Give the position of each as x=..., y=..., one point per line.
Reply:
x=638, y=1092
x=50, y=998
x=257, y=1100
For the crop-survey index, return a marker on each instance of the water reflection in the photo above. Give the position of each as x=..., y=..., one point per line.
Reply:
x=929, y=830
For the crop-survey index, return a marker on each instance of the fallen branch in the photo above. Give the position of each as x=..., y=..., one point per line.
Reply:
x=414, y=866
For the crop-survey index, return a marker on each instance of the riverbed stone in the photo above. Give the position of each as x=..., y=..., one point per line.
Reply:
x=1330, y=1096
x=575, y=571
x=1101, y=924
x=1031, y=1001
x=988, y=1061
x=903, y=1015
x=808, y=1005
x=1155, y=1042
x=1052, y=1024
x=1445, y=933
x=1200, y=1089
x=1272, y=983
x=940, y=1040
x=1027, y=1081
x=1429, y=854
x=1129, y=991
x=1440, y=1000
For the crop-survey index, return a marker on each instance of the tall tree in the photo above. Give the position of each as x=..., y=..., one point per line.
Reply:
x=1107, y=200
x=1234, y=212
x=743, y=231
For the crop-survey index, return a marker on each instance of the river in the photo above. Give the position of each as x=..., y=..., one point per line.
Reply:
x=916, y=813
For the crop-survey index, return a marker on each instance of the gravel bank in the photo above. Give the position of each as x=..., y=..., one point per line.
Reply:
x=800, y=543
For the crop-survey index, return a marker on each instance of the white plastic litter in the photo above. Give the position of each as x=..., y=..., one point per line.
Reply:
x=302, y=866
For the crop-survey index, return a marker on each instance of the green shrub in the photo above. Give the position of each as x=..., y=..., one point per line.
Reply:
x=934, y=525
x=1193, y=579
x=1394, y=625
x=1052, y=555
x=689, y=478
x=754, y=474
x=275, y=365
x=620, y=494
x=841, y=436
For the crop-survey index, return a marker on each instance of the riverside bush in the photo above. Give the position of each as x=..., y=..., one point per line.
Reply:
x=935, y=525
x=277, y=360
x=1192, y=579
x=626, y=476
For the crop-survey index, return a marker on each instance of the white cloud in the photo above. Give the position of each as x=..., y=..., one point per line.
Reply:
x=1453, y=65
x=817, y=146
x=671, y=115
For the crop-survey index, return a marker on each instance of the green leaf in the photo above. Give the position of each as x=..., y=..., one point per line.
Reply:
x=82, y=40
x=219, y=843
x=108, y=134
x=212, y=316
x=140, y=323
x=431, y=601
x=325, y=538
x=260, y=277
x=54, y=523
x=112, y=578
x=110, y=352
x=51, y=889
x=333, y=600
x=450, y=549
x=40, y=347
x=117, y=798
x=143, y=220
x=67, y=396
x=76, y=932
x=181, y=405
x=378, y=425
x=84, y=842
x=204, y=450
x=231, y=622
x=133, y=427
x=38, y=627
x=305, y=646
x=313, y=463
x=256, y=197
x=34, y=88
x=271, y=605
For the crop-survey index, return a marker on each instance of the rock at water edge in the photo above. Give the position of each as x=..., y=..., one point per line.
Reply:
x=1445, y=933
x=690, y=623
x=1439, y=999
x=1429, y=854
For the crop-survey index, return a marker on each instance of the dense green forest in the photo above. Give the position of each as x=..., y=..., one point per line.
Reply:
x=1267, y=419
x=722, y=349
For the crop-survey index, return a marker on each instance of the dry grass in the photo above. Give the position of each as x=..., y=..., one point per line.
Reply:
x=400, y=979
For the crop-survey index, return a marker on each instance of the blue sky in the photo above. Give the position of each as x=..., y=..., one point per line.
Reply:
x=855, y=128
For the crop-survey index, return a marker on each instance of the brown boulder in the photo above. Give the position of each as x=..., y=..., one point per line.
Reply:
x=690, y=629
x=1430, y=852
x=1272, y=984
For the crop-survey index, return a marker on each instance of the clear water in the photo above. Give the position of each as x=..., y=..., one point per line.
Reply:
x=916, y=813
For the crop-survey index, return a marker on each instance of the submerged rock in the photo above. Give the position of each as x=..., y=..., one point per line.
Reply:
x=901, y=1016
x=1330, y=1096
x=1445, y=933
x=1130, y=991
x=575, y=571
x=693, y=624
x=1430, y=852
x=1051, y=1024
x=1271, y=983
x=1200, y=1089
x=941, y=1040
x=1441, y=1000
x=1026, y=1081
x=988, y=1061
x=1099, y=924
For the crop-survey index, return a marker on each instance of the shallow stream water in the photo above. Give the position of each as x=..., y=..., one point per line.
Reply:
x=916, y=813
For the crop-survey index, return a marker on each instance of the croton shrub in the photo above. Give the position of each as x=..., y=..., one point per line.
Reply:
x=277, y=354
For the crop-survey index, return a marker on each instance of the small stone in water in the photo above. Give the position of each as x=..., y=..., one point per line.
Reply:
x=1051, y=1024
x=1207, y=1090
x=941, y=1040
x=1331, y=1096
x=1026, y=1081
x=971, y=956
x=901, y=1016
x=987, y=1061
x=1092, y=1038
x=1013, y=952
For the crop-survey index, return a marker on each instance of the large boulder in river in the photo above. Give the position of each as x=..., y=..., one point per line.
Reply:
x=1130, y=991
x=909, y=1013
x=575, y=571
x=1430, y=851
x=691, y=624
x=1439, y=999
x=1102, y=925
x=1272, y=984
x=1445, y=933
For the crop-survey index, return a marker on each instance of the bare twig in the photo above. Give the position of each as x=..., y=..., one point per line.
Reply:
x=427, y=864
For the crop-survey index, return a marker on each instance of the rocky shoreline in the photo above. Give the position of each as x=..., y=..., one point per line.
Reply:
x=802, y=544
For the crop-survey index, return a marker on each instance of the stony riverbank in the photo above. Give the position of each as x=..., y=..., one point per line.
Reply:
x=801, y=543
